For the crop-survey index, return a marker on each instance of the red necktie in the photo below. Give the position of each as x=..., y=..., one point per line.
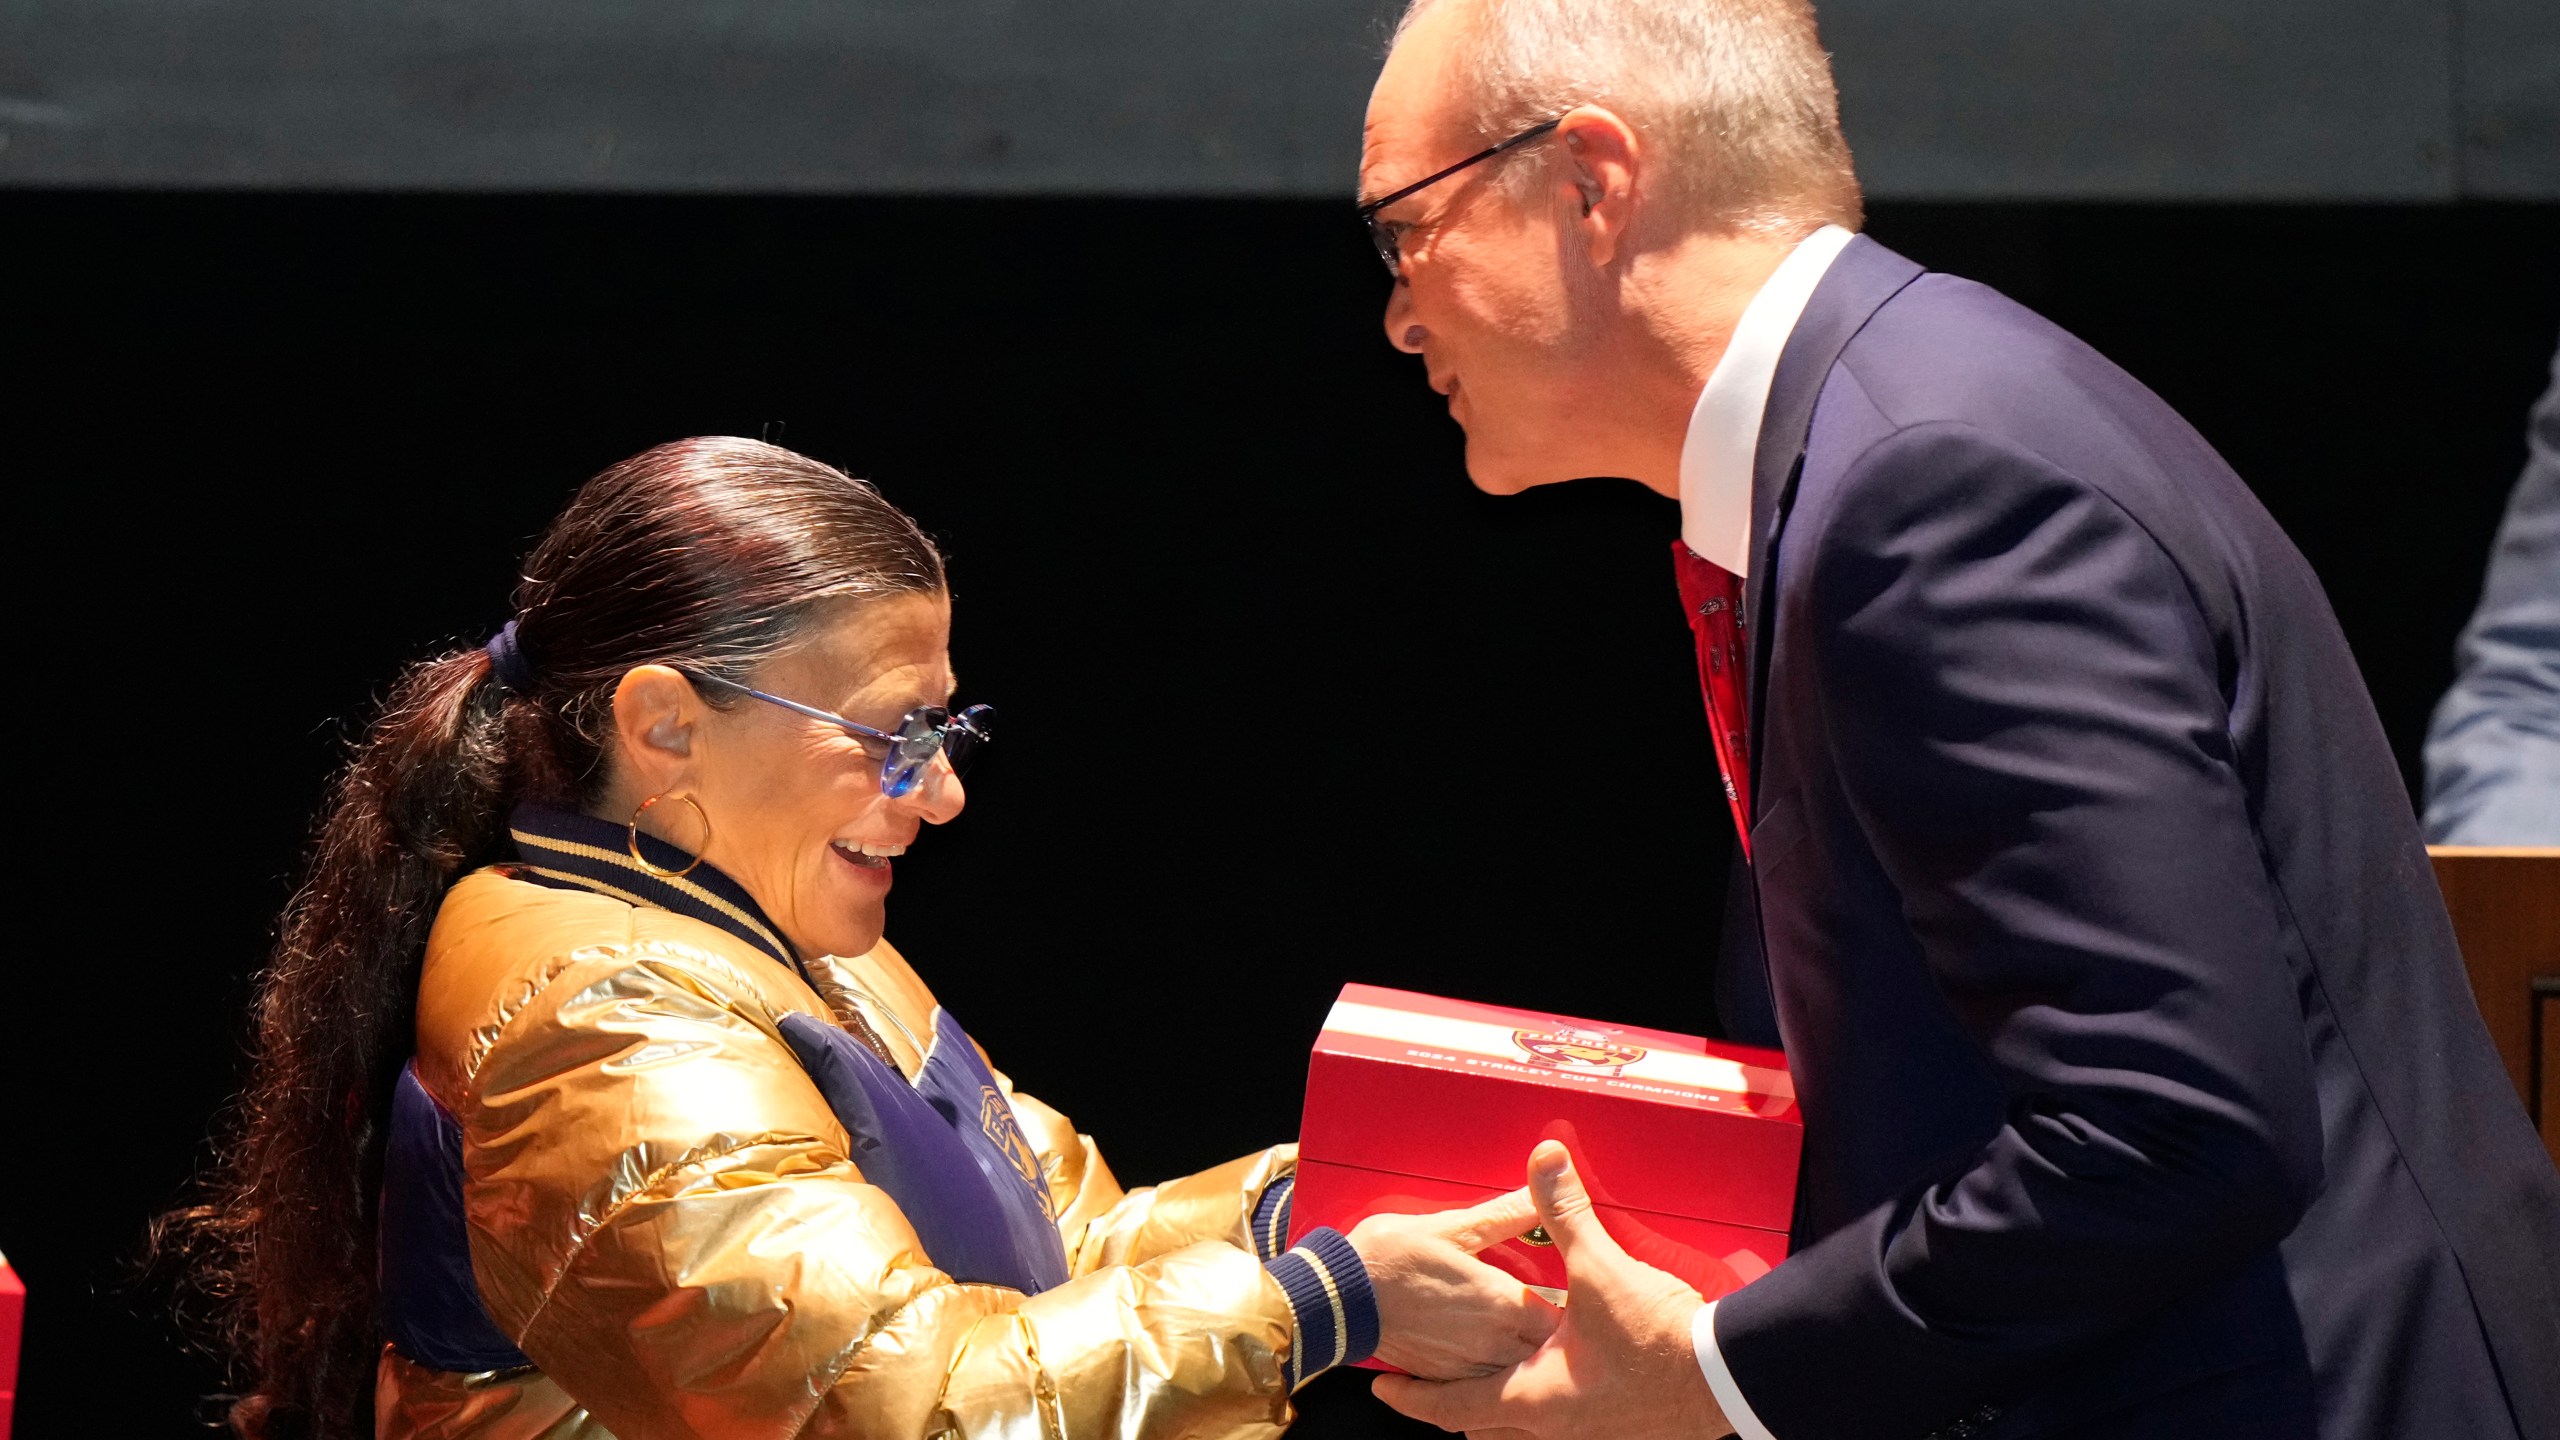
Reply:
x=1713, y=597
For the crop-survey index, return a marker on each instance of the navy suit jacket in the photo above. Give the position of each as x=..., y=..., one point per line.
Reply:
x=2143, y=1090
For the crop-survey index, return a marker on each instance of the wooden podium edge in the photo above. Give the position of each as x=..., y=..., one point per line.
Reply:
x=2504, y=901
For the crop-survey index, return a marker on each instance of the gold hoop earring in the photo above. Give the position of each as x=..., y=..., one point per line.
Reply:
x=632, y=837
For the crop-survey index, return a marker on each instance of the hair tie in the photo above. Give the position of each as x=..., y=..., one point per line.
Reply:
x=507, y=662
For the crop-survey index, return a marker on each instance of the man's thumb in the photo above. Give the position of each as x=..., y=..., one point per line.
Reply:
x=1564, y=1207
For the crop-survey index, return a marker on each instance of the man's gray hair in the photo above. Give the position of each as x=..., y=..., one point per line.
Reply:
x=1733, y=97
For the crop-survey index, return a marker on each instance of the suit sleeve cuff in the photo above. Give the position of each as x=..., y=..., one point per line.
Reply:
x=1335, y=1311
x=1737, y=1411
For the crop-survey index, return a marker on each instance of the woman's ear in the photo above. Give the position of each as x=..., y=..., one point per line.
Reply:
x=657, y=718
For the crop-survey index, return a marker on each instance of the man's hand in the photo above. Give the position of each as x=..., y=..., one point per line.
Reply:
x=1619, y=1367
x=1443, y=1313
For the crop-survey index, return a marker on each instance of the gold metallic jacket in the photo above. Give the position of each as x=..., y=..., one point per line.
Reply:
x=662, y=1215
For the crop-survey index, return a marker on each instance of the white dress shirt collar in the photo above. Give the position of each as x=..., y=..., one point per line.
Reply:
x=1724, y=430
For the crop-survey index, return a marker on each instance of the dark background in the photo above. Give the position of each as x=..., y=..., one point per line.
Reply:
x=1287, y=703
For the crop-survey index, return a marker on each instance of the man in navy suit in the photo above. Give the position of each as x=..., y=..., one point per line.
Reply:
x=2143, y=1091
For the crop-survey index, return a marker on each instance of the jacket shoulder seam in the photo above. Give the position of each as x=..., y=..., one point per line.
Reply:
x=623, y=954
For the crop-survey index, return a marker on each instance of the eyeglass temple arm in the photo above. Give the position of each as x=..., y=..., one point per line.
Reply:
x=1427, y=181
x=796, y=708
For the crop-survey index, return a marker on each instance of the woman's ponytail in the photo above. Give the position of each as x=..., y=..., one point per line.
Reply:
x=284, y=1246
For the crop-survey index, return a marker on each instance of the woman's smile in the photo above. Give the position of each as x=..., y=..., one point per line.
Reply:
x=867, y=855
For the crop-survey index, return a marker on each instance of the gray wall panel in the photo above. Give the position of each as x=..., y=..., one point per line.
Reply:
x=971, y=95
x=2338, y=99
x=2509, y=97
x=2139, y=99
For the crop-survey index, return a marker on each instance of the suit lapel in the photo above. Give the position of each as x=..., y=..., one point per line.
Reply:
x=1858, y=283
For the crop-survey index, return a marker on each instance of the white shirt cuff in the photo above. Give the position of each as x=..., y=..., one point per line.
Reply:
x=1737, y=1411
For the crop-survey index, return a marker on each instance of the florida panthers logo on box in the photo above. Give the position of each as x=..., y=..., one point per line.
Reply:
x=1567, y=1048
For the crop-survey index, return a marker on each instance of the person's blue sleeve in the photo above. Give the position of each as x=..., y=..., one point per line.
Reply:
x=2493, y=751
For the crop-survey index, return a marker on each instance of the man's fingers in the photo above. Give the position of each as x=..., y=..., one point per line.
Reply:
x=1538, y=1320
x=1504, y=1217
x=1564, y=1207
x=1453, y=1405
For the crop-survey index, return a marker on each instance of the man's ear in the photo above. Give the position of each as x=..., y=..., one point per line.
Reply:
x=656, y=716
x=1602, y=160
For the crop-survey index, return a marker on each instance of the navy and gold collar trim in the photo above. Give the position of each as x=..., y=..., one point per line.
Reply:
x=569, y=851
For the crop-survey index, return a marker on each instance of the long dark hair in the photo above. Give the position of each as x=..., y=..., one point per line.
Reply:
x=711, y=554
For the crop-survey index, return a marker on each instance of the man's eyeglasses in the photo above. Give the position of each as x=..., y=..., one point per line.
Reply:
x=927, y=731
x=1382, y=233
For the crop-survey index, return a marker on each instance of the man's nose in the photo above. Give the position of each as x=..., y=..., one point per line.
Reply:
x=1403, y=331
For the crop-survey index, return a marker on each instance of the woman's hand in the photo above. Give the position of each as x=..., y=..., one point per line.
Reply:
x=1443, y=1314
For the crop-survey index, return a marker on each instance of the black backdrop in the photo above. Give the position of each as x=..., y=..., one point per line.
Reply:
x=1286, y=702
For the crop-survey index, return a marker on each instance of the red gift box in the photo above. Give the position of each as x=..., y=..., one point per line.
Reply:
x=1687, y=1146
x=13, y=1314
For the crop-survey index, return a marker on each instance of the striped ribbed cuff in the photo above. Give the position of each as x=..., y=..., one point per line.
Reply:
x=1271, y=1218
x=1329, y=1295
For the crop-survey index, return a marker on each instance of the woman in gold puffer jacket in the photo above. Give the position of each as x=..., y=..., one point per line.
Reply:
x=569, y=1119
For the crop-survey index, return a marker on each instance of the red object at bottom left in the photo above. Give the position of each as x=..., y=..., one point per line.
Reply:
x=13, y=1316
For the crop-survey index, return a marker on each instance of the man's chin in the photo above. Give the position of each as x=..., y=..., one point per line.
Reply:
x=1497, y=473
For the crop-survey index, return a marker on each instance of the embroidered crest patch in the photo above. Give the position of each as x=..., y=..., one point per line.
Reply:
x=995, y=1117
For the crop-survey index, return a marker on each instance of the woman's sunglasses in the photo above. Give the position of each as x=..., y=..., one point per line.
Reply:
x=927, y=731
